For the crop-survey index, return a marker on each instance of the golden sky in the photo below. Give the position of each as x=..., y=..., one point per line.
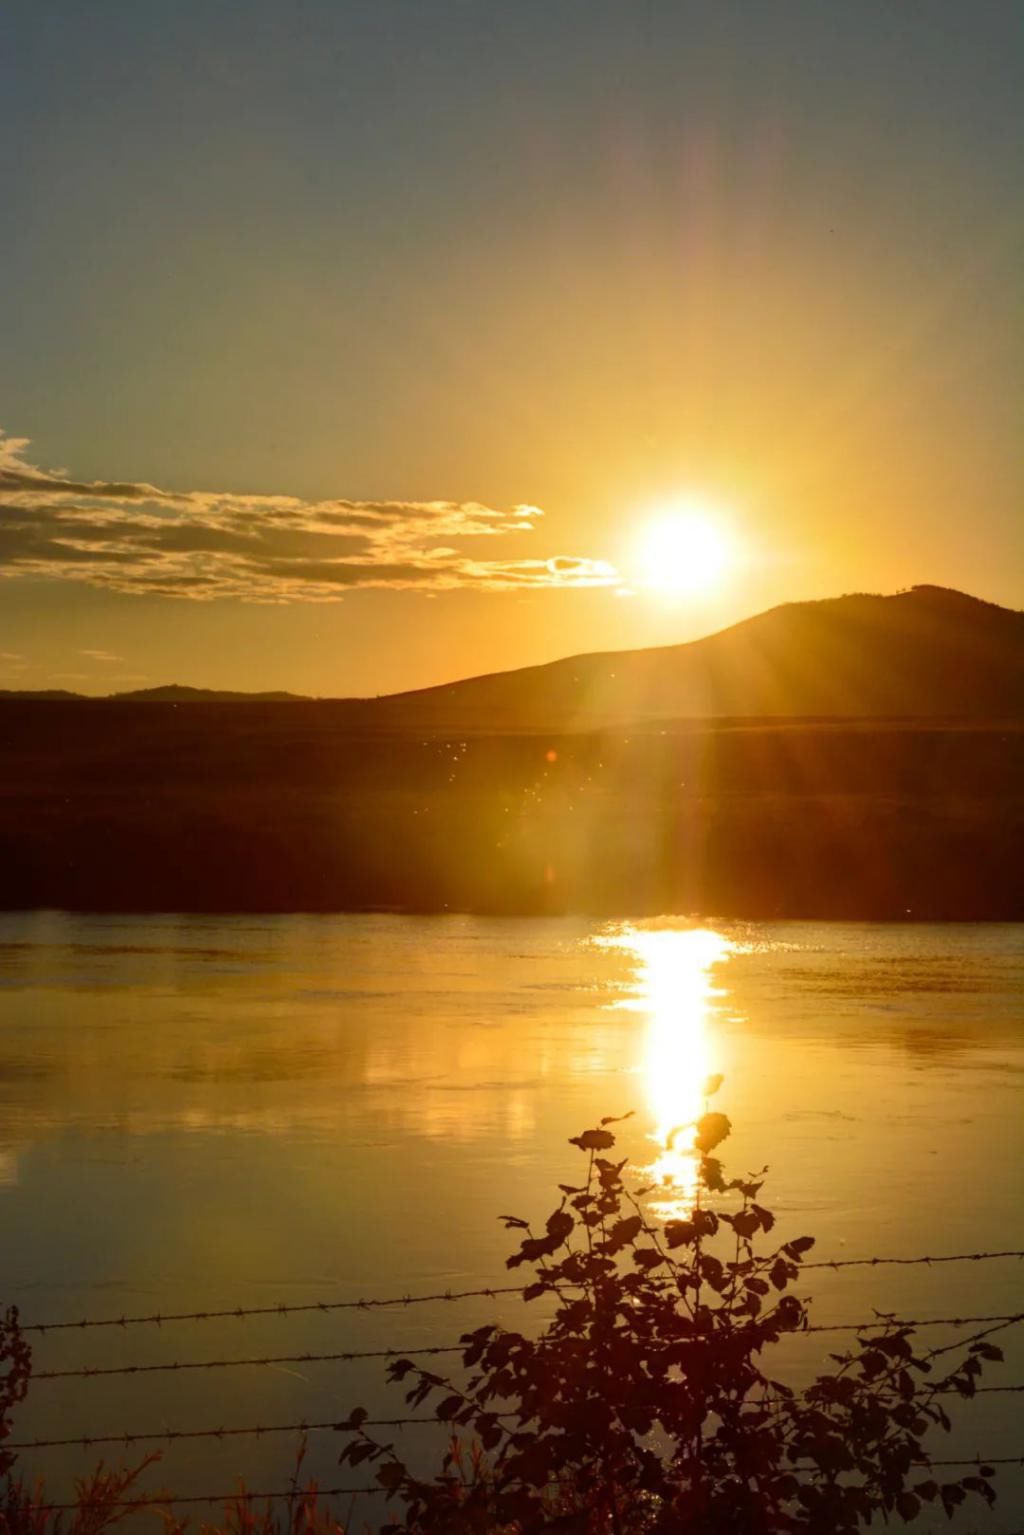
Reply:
x=351, y=347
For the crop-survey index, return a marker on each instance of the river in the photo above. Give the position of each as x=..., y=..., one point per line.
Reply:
x=202, y=1113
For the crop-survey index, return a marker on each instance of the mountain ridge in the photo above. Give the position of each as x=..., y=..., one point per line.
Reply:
x=925, y=651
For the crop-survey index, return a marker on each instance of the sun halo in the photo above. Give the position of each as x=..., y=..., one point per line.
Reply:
x=684, y=551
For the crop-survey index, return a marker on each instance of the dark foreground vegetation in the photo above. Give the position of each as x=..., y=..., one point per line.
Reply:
x=644, y=1403
x=114, y=805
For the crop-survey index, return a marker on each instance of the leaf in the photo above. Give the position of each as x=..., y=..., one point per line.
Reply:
x=779, y=1273
x=355, y=1419
x=355, y=1454
x=644, y=1258
x=907, y=1506
x=714, y=1180
x=705, y=1222
x=623, y=1233
x=559, y=1225
x=766, y=1217
x=745, y=1223
x=593, y=1140
x=711, y=1269
x=712, y=1129
x=617, y=1119
x=872, y=1363
x=712, y=1084
x=490, y=1433
x=798, y=1246
x=391, y=1476
x=952, y=1495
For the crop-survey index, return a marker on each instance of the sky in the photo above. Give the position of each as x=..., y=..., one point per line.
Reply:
x=350, y=347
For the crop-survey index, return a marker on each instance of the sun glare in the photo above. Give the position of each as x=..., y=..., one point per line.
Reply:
x=673, y=986
x=684, y=551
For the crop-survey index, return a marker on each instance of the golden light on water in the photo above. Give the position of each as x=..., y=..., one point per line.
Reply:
x=685, y=550
x=673, y=985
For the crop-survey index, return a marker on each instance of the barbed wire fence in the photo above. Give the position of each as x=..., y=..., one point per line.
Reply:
x=130, y=1438
x=371, y=1303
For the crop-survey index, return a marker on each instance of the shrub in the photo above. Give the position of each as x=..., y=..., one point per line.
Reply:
x=643, y=1404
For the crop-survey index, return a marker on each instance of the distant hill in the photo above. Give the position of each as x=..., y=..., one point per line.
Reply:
x=174, y=693
x=925, y=652
x=929, y=652
x=58, y=693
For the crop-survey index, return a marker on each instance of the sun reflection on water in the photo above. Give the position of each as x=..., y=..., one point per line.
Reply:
x=673, y=986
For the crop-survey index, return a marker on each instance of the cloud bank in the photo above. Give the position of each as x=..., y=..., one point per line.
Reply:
x=139, y=539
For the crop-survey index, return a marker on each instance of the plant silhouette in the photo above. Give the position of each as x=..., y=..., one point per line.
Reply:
x=15, y=1370
x=644, y=1404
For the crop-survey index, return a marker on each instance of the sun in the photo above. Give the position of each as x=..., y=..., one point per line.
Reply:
x=684, y=550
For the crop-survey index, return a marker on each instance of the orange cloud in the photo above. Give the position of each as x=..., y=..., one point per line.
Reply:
x=137, y=538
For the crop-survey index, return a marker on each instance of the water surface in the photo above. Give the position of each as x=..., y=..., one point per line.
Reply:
x=211, y=1112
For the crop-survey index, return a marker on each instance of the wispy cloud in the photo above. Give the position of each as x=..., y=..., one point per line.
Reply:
x=137, y=538
x=104, y=656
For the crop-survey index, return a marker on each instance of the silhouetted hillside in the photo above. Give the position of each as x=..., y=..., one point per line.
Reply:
x=926, y=652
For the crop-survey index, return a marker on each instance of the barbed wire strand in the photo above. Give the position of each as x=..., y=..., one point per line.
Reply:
x=1001, y=1325
x=87, y=1372
x=299, y=1493
x=884, y=1320
x=283, y=1309
x=927, y=1259
x=257, y=1430
x=370, y=1303
x=238, y=1496
x=169, y=1436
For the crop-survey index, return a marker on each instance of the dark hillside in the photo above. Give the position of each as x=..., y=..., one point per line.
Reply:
x=926, y=652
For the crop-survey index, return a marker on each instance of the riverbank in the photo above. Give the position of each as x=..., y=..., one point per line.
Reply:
x=270, y=807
